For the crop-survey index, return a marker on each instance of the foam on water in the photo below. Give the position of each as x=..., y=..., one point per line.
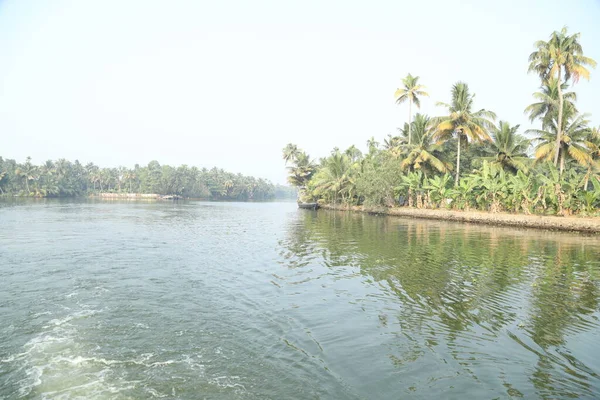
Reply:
x=58, y=363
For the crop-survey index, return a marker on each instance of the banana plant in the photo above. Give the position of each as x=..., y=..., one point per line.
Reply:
x=462, y=194
x=492, y=184
x=438, y=189
x=522, y=193
x=590, y=200
x=413, y=183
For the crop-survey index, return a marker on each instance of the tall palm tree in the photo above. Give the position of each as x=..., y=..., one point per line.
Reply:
x=560, y=57
x=424, y=153
x=410, y=90
x=573, y=142
x=463, y=122
x=509, y=148
x=290, y=152
x=547, y=102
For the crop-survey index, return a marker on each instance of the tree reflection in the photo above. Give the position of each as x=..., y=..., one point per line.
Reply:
x=460, y=283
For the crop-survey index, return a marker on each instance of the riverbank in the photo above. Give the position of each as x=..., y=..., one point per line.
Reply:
x=572, y=224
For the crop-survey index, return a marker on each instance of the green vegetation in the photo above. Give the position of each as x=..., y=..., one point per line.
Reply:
x=464, y=160
x=63, y=178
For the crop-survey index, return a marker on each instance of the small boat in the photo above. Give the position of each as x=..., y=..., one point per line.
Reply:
x=171, y=197
x=308, y=206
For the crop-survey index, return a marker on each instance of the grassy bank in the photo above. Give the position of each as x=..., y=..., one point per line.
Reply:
x=573, y=224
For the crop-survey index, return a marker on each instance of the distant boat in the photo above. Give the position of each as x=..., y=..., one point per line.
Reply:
x=171, y=197
x=308, y=206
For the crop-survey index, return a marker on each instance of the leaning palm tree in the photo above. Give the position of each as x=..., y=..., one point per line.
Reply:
x=509, y=149
x=561, y=57
x=411, y=90
x=546, y=104
x=463, y=122
x=290, y=152
x=424, y=152
x=573, y=144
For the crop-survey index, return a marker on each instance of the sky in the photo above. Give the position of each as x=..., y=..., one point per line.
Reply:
x=229, y=83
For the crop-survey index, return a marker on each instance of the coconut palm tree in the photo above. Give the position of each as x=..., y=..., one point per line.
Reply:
x=354, y=153
x=302, y=169
x=509, y=148
x=336, y=176
x=410, y=91
x=561, y=58
x=463, y=122
x=424, y=152
x=573, y=144
x=547, y=102
x=27, y=172
x=290, y=152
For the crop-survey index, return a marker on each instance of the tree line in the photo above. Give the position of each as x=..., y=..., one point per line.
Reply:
x=63, y=178
x=467, y=158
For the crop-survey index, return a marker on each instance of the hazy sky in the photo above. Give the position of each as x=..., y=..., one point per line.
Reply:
x=228, y=83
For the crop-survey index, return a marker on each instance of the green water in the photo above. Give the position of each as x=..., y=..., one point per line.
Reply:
x=200, y=300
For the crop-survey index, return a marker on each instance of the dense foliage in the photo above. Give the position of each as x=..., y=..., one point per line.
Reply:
x=63, y=178
x=464, y=160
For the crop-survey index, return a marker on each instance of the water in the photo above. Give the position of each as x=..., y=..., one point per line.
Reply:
x=200, y=300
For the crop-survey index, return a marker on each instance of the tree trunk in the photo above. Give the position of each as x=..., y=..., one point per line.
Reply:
x=409, y=120
x=587, y=180
x=560, y=116
x=27, y=185
x=457, y=161
x=562, y=162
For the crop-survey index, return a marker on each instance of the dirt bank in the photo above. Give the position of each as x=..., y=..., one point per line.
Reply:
x=573, y=224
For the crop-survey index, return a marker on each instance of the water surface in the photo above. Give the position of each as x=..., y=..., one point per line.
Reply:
x=263, y=301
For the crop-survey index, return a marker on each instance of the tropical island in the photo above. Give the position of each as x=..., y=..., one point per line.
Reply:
x=464, y=161
x=63, y=178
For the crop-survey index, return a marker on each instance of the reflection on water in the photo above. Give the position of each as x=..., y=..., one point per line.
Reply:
x=476, y=306
x=263, y=301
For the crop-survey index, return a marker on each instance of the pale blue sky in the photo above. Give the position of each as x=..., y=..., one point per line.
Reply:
x=229, y=83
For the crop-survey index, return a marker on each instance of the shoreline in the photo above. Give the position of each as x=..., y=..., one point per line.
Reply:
x=555, y=223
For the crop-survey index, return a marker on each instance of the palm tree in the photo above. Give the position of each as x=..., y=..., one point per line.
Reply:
x=573, y=142
x=424, y=152
x=290, y=152
x=509, y=148
x=463, y=122
x=354, y=153
x=28, y=172
x=561, y=56
x=301, y=171
x=411, y=90
x=547, y=102
x=336, y=175
x=372, y=145
x=391, y=142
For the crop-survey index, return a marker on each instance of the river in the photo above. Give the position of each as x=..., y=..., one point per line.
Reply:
x=198, y=300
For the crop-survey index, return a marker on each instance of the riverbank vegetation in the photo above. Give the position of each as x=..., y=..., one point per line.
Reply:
x=64, y=178
x=468, y=159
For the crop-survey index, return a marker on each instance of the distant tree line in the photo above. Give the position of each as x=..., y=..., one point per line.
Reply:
x=463, y=159
x=63, y=178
